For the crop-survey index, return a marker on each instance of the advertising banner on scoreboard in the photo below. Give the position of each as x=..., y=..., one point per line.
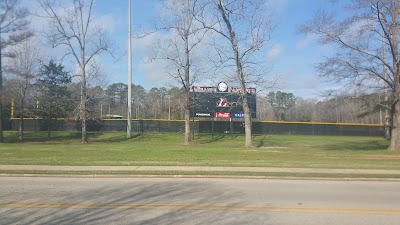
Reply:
x=238, y=115
x=225, y=115
x=203, y=114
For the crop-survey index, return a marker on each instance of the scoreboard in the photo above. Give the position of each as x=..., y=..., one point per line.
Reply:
x=212, y=102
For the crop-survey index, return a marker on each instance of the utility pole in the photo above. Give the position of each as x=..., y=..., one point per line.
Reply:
x=129, y=120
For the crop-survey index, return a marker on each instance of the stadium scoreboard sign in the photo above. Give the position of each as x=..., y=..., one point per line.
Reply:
x=221, y=101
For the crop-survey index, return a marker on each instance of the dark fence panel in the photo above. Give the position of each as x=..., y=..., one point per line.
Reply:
x=151, y=126
x=260, y=127
x=317, y=129
x=107, y=125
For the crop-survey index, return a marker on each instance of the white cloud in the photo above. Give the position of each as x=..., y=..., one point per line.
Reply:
x=279, y=5
x=107, y=22
x=141, y=45
x=154, y=73
x=275, y=53
x=304, y=43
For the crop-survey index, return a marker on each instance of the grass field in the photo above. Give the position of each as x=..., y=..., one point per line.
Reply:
x=290, y=151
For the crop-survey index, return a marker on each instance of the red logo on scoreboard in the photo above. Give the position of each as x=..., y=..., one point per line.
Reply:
x=222, y=102
x=222, y=115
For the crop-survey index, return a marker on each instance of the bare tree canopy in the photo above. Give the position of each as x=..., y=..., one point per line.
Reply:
x=74, y=28
x=179, y=49
x=13, y=30
x=246, y=25
x=13, y=23
x=362, y=36
x=23, y=68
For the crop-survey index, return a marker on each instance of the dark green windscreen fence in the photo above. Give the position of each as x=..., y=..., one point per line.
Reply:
x=107, y=125
x=202, y=127
x=270, y=127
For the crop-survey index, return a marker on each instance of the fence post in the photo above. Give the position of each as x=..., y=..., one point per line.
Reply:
x=212, y=127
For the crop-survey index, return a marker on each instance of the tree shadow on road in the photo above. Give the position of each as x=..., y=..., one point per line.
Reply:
x=179, y=193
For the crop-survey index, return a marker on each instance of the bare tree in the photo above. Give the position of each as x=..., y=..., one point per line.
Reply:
x=246, y=25
x=96, y=81
x=303, y=110
x=75, y=29
x=24, y=68
x=359, y=60
x=179, y=50
x=13, y=30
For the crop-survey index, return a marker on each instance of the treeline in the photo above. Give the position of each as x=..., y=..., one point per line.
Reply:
x=363, y=109
x=33, y=100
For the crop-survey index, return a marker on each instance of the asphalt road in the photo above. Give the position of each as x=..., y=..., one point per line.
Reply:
x=197, y=201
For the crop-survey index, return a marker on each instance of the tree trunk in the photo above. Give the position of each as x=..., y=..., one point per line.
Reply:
x=21, y=129
x=1, y=99
x=247, y=122
x=239, y=73
x=187, y=140
x=394, y=33
x=187, y=87
x=395, y=140
x=83, y=104
x=49, y=125
x=21, y=124
x=1, y=112
x=387, y=124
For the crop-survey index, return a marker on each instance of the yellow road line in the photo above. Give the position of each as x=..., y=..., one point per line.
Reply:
x=211, y=207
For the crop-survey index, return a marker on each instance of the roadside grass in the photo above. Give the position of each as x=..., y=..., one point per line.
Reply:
x=166, y=149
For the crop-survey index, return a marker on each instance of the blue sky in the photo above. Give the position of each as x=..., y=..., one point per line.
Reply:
x=291, y=55
x=297, y=53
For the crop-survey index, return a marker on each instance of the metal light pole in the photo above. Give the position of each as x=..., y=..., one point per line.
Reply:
x=129, y=120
